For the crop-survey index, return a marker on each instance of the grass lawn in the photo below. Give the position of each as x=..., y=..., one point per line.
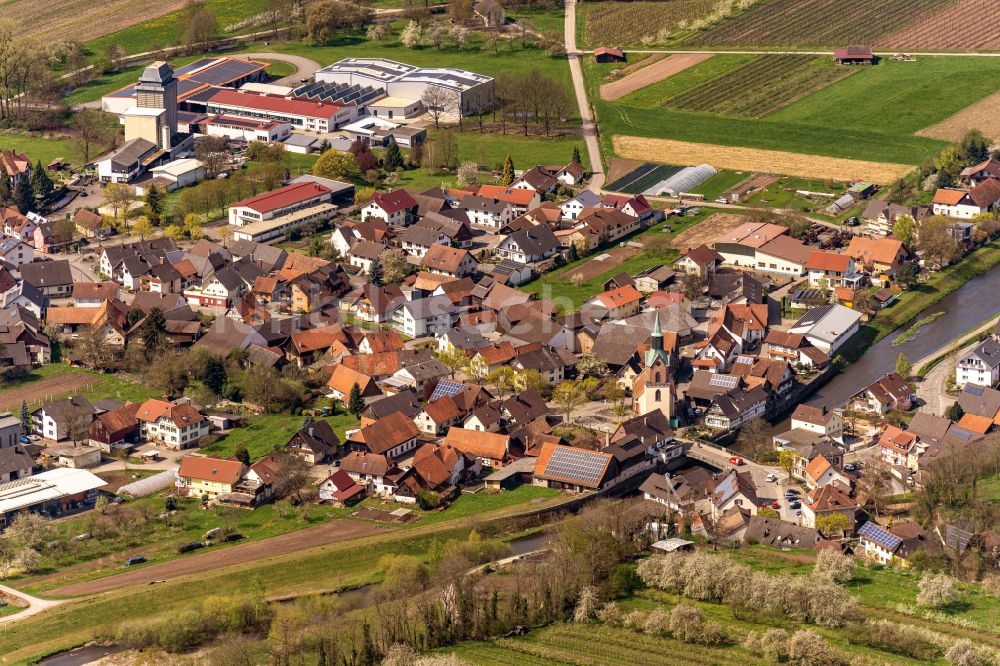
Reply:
x=263, y=433
x=333, y=566
x=546, y=20
x=115, y=387
x=41, y=147
x=557, y=282
x=467, y=504
x=279, y=69
x=156, y=540
x=720, y=183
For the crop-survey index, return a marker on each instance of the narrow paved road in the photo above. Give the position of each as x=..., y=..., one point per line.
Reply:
x=35, y=605
x=586, y=117
x=828, y=52
x=304, y=67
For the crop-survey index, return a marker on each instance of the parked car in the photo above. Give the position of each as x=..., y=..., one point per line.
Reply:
x=775, y=505
x=233, y=536
x=795, y=505
x=849, y=467
x=736, y=460
x=34, y=438
x=134, y=560
x=792, y=492
x=188, y=547
x=770, y=478
x=24, y=440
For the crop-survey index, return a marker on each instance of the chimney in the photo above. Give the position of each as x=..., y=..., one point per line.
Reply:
x=310, y=430
x=607, y=439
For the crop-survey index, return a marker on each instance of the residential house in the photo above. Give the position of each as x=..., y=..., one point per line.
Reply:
x=87, y=294
x=572, y=207
x=316, y=443
x=10, y=430
x=394, y=436
x=891, y=545
x=884, y=394
x=396, y=208
x=491, y=449
x=487, y=212
x=966, y=204
x=204, y=476
x=880, y=217
x=447, y=260
x=880, y=257
x=634, y=206
x=375, y=473
x=417, y=240
x=15, y=251
x=342, y=382
x=828, y=327
x=731, y=410
x=820, y=472
x=52, y=279
x=620, y=303
x=896, y=445
x=981, y=401
x=117, y=429
x=66, y=418
x=15, y=463
x=341, y=489
x=780, y=534
x=794, y=348
x=826, y=422
x=521, y=199
x=702, y=261
x=91, y=225
x=172, y=424
x=828, y=500
x=50, y=237
x=736, y=490
x=979, y=364
x=527, y=246
x=837, y=270
x=426, y=316
x=978, y=174
x=573, y=469
x=550, y=365
x=538, y=179
x=654, y=279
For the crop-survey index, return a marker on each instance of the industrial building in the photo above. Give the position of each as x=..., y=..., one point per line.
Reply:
x=468, y=90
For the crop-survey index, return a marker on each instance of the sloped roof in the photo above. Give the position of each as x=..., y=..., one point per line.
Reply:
x=205, y=468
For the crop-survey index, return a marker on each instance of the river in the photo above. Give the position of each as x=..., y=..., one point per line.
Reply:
x=964, y=309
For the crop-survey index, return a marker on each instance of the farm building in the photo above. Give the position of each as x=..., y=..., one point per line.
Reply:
x=854, y=55
x=605, y=54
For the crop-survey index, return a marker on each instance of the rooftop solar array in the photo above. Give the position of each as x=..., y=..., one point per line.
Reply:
x=576, y=464
x=877, y=535
x=974, y=390
x=338, y=93
x=745, y=359
x=446, y=388
x=725, y=381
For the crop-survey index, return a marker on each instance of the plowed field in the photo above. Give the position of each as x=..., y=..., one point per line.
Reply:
x=750, y=159
x=83, y=19
x=968, y=25
x=984, y=116
x=657, y=71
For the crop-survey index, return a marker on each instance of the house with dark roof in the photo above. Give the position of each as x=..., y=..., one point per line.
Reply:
x=702, y=261
x=316, y=443
x=736, y=490
x=573, y=469
x=731, y=410
x=780, y=534
x=966, y=204
x=393, y=437
x=979, y=364
x=884, y=394
x=528, y=246
x=892, y=545
x=69, y=417
x=447, y=260
x=52, y=279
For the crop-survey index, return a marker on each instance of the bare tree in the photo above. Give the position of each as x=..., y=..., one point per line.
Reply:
x=437, y=101
x=94, y=129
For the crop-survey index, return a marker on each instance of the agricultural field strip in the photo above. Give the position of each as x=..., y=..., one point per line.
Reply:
x=653, y=73
x=83, y=19
x=631, y=177
x=760, y=87
x=750, y=159
x=629, y=23
x=983, y=115
x=951, y=29
x=815, y=22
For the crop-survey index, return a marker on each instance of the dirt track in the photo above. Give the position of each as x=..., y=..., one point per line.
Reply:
x=38, y=391
x=651, y=74
x=334, y=531
x=595, y=267
x=709, y=230
x=686, y=153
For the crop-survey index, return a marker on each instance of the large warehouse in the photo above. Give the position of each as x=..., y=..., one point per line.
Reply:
x=409, y=82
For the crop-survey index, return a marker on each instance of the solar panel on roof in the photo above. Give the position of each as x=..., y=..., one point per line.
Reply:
x=960, y=433
x=446, y=388
x=877, y=535
x=745, y=359
x=725, y=381
x=974, y=390
x=576, y=464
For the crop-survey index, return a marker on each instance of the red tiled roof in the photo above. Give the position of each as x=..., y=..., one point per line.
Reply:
x=211, y=469
x=281, y=197
x=828, y=261
x=619, y=297
x=295, y=107
x=394, y=201
x=948, y=197
x=515, y=196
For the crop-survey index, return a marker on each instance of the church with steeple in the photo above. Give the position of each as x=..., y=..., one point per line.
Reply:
x=653, y=387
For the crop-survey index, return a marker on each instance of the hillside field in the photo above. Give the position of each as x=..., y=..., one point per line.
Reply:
x=871, y=115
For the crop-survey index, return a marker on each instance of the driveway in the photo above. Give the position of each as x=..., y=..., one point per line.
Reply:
x=304, y=67
x=586, y=117
x=931, y=391
x=35, y=605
